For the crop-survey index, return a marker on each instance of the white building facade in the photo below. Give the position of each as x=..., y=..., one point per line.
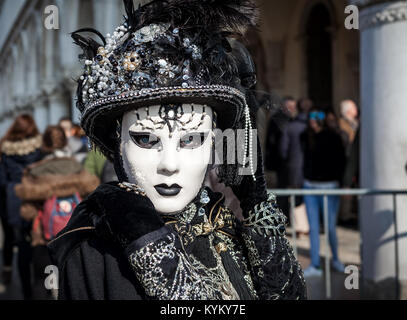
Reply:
x=38, y=66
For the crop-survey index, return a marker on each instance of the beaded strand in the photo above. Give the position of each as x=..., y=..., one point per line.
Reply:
x=249, y=141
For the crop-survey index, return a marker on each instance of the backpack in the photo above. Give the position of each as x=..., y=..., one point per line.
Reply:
x=56, y=214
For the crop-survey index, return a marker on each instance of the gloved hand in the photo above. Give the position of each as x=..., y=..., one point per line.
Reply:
x=127, y=216
x=251, y=192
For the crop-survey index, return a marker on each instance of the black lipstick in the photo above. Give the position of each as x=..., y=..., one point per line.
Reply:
x=168, y=191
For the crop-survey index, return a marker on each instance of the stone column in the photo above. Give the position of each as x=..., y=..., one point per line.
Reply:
x=6, y=123
x=41, y=115
x=59, y=106
x=383, y=62
x=106, y=13
x=113, y=16
x=68, y=52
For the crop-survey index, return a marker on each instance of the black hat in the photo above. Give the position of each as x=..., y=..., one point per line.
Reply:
x=174, y=51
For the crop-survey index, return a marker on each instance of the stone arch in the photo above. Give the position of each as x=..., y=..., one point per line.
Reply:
x=306, y=11
x=297, y=40
x=319, y=56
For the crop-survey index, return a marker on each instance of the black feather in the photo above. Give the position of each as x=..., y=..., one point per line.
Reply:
x=88, y=45
x=130, y=12
x=232, y=16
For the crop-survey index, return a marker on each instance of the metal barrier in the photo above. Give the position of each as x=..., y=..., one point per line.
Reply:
x=292, y=193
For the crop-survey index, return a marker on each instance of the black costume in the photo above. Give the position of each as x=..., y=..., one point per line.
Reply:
x=117, y=246
x=176, y=261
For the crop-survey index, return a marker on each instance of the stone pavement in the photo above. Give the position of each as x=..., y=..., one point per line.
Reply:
x=348, y=251
x=13, y=291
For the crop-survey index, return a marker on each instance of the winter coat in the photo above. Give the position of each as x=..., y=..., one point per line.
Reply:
x=15, y=157
x=291, y=153
x=273, y=161
x=177, y=261
x=324, y=156
x=52, y=176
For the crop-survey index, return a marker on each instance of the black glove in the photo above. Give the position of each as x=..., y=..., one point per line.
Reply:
x=251, y=192
x=126, y=216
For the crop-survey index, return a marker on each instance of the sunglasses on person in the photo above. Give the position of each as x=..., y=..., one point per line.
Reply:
x=317, y=115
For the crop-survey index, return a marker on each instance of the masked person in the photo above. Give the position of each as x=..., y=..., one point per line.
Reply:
x=151, y=98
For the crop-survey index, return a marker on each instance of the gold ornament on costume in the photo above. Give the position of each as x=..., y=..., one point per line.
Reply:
x=132, y=61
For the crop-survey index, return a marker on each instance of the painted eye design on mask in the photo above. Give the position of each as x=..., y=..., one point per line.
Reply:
x=193, y=140
x=145, y=140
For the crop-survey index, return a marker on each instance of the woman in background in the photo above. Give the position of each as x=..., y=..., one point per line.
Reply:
x=51, y=189
x=19, y=148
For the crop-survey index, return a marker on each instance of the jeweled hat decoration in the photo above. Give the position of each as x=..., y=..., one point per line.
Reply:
x=166, y=52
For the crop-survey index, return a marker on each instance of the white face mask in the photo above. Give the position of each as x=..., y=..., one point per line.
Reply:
x=167, y=158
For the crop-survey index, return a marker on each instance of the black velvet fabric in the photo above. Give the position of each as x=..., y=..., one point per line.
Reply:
x=90, y=261
x=96, y=270
x=122, y=215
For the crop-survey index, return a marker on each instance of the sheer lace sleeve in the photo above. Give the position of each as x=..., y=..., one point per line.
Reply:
x=275, y=271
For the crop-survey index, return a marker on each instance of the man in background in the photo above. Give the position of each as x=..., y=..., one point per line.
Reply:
x=349, y=127
x=292, y=159
x=349, y=123
x=274, y=161
x=290, y=150
x=278, y=121
x=304, y=106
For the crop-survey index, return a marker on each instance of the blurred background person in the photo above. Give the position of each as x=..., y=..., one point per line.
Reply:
x=80, y=135
x=74, y=135
x=66, y=124
x=332, y=122
x=349, y=127
x=275, y=126
x=20, y=147
x=287, y=148
x=304, y=106
x=349, y=123
x=292, y=160
x=50, y=190
x=97, y=164
x=324, y=161
x=273, y=157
